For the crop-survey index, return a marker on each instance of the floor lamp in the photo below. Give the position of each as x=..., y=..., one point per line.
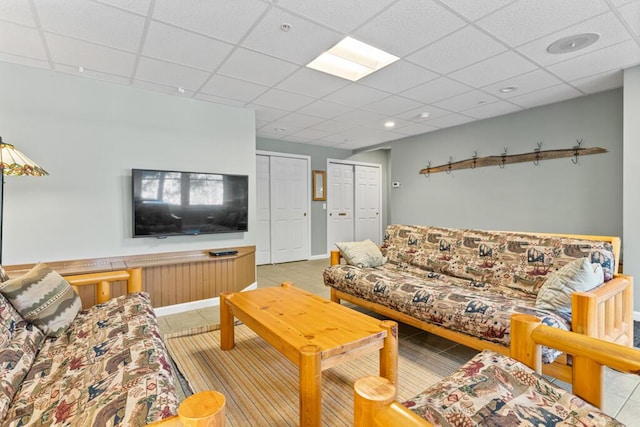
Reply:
x=13, y=162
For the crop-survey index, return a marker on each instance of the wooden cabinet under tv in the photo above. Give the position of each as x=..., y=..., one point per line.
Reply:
x=169, y=278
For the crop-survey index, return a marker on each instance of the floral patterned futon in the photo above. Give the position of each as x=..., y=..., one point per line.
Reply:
x=495, y=390
x=468, y=281
x=110, y=368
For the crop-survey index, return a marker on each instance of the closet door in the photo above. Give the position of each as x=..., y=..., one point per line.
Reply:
x=340, y=192
x=289, y=209
x=367, y=203
x=263, y=202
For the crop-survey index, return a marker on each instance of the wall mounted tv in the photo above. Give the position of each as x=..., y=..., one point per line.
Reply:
x=171, y=203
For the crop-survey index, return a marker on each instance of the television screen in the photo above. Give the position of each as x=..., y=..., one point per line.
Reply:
x=170, y=203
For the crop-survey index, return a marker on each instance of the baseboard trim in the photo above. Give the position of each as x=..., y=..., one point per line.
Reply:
x=316, y=257
x=194, y=305
x=636, y=316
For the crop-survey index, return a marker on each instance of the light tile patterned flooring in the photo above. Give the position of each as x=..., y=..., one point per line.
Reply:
x=622, y=394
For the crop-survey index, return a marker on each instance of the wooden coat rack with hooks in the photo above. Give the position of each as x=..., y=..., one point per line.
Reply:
x=504, y=159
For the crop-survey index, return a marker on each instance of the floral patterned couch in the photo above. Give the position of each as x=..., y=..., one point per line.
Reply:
x=110, y=368
x=465, y=284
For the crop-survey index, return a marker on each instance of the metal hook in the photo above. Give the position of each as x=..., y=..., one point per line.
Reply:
x=575, y=152
x=504, y=158
x=428, y=168
x=475, y=158
x=537, y=151
x=449, y=168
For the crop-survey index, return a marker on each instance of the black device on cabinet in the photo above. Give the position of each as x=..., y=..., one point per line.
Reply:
x=175, y=203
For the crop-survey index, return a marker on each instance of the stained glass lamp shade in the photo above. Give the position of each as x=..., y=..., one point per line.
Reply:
x=13, y=162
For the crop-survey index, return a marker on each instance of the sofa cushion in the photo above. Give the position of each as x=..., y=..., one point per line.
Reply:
x=44, y=298
x=492, y=389
x=578, y=276
x=109, y=368
x=19, y=343
x=362, y=254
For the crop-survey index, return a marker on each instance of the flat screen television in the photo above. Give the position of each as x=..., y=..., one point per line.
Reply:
x=173, y=203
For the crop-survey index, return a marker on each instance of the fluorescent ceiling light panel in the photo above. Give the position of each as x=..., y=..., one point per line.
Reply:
x=352, y=60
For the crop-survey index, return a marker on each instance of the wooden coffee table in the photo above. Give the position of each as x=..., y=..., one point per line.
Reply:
x=312, y=332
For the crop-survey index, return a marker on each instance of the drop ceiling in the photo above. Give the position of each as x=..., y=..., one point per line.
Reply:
x=455, y=56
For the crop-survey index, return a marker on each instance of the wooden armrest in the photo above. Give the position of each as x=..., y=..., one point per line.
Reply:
x=204, y=409
x=335, y=257
x=605, y=312
x=104, y=279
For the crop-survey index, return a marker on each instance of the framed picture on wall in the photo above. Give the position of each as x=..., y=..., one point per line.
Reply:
x=319, y=179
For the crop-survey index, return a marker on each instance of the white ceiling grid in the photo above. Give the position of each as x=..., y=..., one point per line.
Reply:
x=455, y=56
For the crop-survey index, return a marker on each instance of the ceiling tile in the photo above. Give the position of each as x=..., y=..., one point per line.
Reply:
x=453, y=119
x=169, y=90
x=466, y=101
x=301, y=44
x=169, y=74
x=312, y=83
x=414, y=115
x=608, y=26
x=399, y=76
x=408, y=25
x=538, y=18
x=309, y=134
x=333, y=126
x=93, y=22
x=356, y=95
x=296, y=120
x=600, y=82
x=225, y=20
x=227, y=87
x=462, y=48
x=622, y=55
x=267, y=114
x=379, y=124
x=90, y=74
x=29, y=62
x=137, y=6
x=435, y=90
x=360, y=117
x=324, y=109
x=416, y=129
x=475, y=9
x=500, y=67
x=546, y=96
x=17, y=11
x=339, y=14
x=525, y=83
x=67, y=51
x=296, y=138
x=220, y=100
x=18, y=40
x=182, y=47
x=631, y=14
x=492, y=110
x=277, y=98
x=256, y=67
x=392, y=105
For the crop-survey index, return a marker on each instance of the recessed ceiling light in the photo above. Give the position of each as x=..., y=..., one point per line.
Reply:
x=285, y=27
x=81, y=69
x=573, y=43
x=181, y=89
x=424, y=115
x=482, y=102
x=352, y=60
x=507, y=89
x=389, y=124
x=279, y=129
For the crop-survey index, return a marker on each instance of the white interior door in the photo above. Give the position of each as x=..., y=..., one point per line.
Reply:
x=289, y=209
x=367, y=204
x=263, y=201
x=340, y=192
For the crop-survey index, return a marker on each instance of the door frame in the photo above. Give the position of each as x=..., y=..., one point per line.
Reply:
x=330, y=245
x=292, y=156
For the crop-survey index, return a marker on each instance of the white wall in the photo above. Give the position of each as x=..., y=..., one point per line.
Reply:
x=89, y=135
x=555, y=196
x=631, y=241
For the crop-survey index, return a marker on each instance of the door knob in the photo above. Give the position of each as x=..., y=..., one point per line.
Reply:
x=305, y=214
x=330, y=214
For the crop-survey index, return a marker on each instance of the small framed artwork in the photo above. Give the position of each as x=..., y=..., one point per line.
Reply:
x=319, y=185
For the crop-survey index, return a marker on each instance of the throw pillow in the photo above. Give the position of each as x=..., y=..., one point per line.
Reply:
x=44, y=298
x=361, y=254
x=577, y=276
